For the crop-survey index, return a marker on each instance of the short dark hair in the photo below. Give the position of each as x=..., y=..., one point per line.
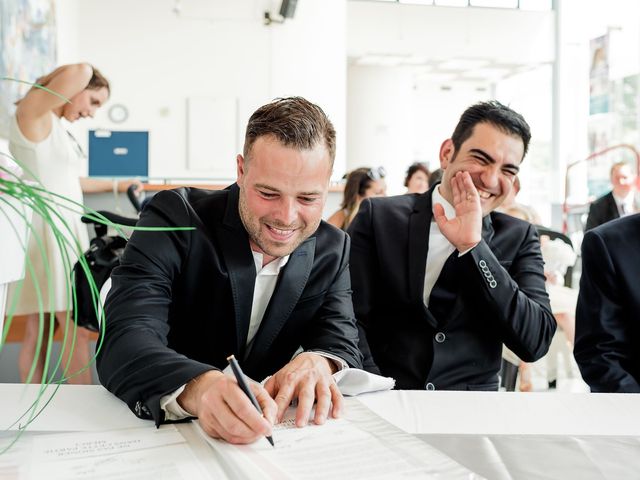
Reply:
x=416, y=167
x=295, y=122
x=493, y=113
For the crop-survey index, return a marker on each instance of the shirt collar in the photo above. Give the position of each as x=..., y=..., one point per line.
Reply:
x=272, y=268
x=628, y=200
x=437, y=197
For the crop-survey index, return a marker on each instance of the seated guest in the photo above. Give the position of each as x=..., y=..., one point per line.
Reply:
x=441, y=281
x=259, y=275
x=608, y=313
x=620, y=201
x=361, y=183
x=417, y=179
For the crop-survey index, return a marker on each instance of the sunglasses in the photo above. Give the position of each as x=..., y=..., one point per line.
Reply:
x=376, y=173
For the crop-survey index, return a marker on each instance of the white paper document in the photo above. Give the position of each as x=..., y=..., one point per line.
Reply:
x=138, y=453
x=360, y=446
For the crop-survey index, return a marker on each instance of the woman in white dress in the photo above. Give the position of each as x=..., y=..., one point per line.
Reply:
x=39, y=141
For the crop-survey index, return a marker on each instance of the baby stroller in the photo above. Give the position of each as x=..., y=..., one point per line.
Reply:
x=101, y=258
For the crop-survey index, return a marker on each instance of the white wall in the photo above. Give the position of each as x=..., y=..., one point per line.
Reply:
x=436, y=112
x=380, y=121
x=395, y=120
x=530, y=93
x=444, y=32
x=156, y=59
x=395, y=117
x=67, y=30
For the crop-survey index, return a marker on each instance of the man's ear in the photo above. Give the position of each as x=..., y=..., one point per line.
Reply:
x=240, y=169
x=447, y=150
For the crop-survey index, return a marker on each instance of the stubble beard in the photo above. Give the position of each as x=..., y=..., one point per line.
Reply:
x=253, y=225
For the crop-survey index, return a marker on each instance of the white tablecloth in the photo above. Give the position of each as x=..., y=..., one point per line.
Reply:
x=498, y=435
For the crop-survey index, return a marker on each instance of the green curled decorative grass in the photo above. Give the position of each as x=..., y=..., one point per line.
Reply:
x=34, y=198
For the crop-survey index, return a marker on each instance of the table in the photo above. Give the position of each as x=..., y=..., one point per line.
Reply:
x=504, y=436
x=498, y=435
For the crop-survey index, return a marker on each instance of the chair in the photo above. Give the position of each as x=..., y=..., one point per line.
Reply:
x=553, y=234
x=509, y=367
x=508, y=375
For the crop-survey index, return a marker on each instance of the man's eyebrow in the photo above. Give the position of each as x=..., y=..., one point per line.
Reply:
x=490, y=159
x=273, y=189
x=266, y=187
x=483, y=154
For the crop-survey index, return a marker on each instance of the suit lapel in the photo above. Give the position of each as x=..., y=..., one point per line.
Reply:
x=291, y=282
x=236, y=251
x=487, y=230
x=419, y=227
x=613, y=207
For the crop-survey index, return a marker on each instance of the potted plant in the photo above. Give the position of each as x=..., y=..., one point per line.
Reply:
x=20, y=201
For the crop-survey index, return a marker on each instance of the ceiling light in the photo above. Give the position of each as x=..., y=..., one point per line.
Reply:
x=495, y=3
x=452, y=3
x=463, y=63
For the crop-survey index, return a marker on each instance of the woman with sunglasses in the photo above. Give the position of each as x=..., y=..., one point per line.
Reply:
x=39, y=141
x=361, y=183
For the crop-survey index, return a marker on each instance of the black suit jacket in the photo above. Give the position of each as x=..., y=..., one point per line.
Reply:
x=602, y=210
x=607, y=344
x=499, y=297
x=181, y=300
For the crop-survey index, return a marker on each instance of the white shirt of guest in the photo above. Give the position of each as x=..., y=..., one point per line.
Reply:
x=625, y=204
x=439, y=247
x=266, y=279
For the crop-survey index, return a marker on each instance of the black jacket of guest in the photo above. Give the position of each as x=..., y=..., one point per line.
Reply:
x=180, y=303
x=602, y=210
x=607, y=344
x=496, y=291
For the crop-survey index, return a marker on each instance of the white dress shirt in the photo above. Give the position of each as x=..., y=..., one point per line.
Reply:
x=626, y=205
x=266, y=279
x=439, y=247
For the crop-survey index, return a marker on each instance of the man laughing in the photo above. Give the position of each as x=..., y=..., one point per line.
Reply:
x=440, y=281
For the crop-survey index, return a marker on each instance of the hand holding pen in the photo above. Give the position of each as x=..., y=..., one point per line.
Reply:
x=242, y=383
x=224, y=410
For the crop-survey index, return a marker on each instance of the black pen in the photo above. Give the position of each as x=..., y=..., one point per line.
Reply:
x=242, y=383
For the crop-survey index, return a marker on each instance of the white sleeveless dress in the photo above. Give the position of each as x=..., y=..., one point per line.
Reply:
x=56, y=163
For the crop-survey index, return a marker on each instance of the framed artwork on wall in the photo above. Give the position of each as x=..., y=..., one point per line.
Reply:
x=27, y=50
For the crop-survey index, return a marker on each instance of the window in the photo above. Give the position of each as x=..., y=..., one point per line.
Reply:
x=542, y=5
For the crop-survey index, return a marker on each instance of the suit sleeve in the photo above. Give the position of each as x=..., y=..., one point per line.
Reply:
x=602, y=347
x=336, y=332
x=593, y=219
x=134, y=361
x=516, y=298
x=364, y=278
